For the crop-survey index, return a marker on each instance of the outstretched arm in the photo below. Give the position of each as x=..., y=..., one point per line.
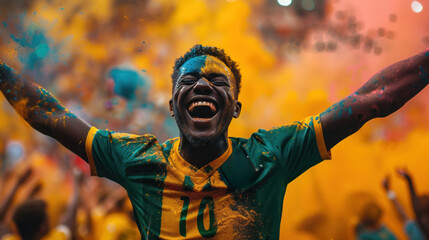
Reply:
x=415, y=201
x=383, y=94
x=42, y=111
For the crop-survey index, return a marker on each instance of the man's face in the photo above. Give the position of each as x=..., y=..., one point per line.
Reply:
x=204, y=99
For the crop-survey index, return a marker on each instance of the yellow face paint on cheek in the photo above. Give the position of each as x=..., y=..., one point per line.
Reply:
x=214, y=65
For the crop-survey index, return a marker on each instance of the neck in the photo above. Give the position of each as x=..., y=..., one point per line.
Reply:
x=200, y=155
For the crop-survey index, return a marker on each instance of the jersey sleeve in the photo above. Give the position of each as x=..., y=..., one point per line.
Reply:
x=298, y=146
x=109, y=152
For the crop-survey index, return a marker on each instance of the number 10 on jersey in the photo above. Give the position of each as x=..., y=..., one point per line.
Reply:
x=205, y=202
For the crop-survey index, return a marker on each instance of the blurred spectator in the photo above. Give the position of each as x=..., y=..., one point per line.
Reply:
x=7, y=202
x=32, y=221
x=370, y=226
x=14, y=153
x=411, y=228
x=420, y=203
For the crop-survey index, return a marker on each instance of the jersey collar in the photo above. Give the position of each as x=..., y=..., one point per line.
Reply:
x=197, y=175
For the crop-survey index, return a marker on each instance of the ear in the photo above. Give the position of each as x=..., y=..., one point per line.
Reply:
x=171, y=107
x=237, y=109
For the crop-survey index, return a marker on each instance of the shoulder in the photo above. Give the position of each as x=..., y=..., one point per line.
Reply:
x=124, y=137
x=121, y=141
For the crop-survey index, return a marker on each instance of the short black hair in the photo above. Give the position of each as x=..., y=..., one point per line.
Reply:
x=29, y=218
x=371, y=214
x=200, y=50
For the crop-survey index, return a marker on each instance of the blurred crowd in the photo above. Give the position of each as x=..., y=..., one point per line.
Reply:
x=43, y=197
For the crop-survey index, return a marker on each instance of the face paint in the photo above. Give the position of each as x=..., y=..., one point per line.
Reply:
x=208, y=66
x=213, y=65
x=204, y=100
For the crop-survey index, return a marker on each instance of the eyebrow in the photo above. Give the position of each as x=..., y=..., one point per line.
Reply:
x=211, y=75
x=193, y=74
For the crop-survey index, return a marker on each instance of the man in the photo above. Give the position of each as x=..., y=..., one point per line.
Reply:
x=205, y=184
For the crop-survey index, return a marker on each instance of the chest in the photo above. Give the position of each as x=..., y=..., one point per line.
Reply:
x=172, y=205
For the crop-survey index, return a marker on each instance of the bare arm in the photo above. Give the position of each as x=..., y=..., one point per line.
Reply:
x=415, y=201
x=5, y=205
x=42, y=111
x=383, y=94
x=400, y=211
x=69, y=217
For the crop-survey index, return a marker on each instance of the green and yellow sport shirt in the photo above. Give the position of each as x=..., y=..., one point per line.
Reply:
x=236, y=196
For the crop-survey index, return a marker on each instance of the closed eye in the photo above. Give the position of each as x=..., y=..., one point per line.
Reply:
x=219, y=81
x=187, y=80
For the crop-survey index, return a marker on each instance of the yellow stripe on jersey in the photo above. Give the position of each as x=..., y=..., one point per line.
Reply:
x=88, y=148
x=318, y=130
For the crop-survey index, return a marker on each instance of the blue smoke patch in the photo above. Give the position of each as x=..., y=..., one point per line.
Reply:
x=170, y=127
x=129, y=83
x=35, y=49
x=38, y=47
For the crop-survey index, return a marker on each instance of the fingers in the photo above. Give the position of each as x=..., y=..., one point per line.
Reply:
x=36, y=189
x=386, y=183
x=25, y=176
x=402, y=171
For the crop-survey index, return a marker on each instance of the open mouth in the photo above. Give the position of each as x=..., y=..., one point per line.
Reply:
x=202, y=110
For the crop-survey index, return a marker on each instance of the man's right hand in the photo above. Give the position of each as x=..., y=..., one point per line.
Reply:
x=386, y=183
x=43, y=111
x=403, y=172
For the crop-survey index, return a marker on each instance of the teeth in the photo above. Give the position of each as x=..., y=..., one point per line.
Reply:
x=202, y=103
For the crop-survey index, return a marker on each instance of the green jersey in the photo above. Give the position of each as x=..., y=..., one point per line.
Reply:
x=236, y=196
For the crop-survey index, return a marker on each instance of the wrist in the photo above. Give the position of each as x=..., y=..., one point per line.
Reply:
x=391, y=194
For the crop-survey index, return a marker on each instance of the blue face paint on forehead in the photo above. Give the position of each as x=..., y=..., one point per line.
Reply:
x=193, y=65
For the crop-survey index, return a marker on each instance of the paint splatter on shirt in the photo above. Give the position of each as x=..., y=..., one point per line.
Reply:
x=236, y=196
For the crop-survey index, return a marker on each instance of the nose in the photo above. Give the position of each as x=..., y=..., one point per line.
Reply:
x=202, y=86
